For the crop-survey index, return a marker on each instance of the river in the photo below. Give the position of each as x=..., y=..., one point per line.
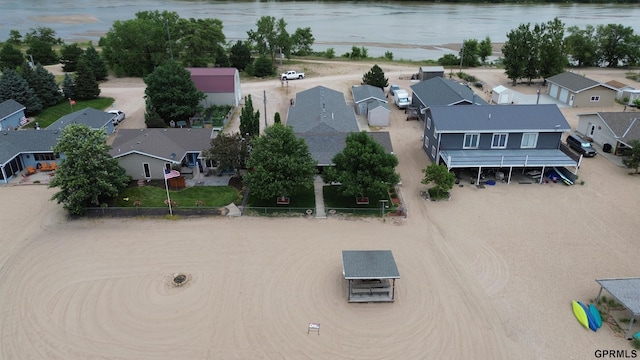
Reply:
x=410, y=30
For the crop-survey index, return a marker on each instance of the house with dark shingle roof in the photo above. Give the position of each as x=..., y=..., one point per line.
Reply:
x=579, y=91
x=23, y=148
x=221, y=86
x=614, y=128
x=90, y=117
x=11, y=115
x=323, y=119
x=146, y=153
x=500, y=137
x=370, y=101
x=440, y=91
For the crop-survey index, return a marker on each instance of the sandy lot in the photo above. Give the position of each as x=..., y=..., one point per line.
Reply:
x=487, y=275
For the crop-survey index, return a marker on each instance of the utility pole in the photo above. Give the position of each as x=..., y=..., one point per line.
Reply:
x=264, y=94
x=461, y=55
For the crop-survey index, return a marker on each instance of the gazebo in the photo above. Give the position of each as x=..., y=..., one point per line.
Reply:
x=371, y=275
x=627, y=292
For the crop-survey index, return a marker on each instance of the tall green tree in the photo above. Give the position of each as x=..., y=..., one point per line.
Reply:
x=68, y=87
x=42, y=52
x=199, y=43
x=441, y=177
x=229, y=151
x=13, y=86
x=301, y=41
x=87, y=175
x=10, y=57
x=553, y=56
x=632, y=159
x=270, y=37
x=280, y=164
x=469, y=53
x=69, y=55
x=43, y=84
x=613, y=43
x=375, y=77
x=516, y=51
x=96, y=63
x=363, y=167
x=172, y=93
x=86, y=86
x=44, y=34
x=15, y=38
x=582, y=46
x=240, y=55
x=263, y=67
x=485, y=49
x=249, y=119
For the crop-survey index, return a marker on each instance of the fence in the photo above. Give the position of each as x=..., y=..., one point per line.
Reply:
x=149, y=211
x=277, y=211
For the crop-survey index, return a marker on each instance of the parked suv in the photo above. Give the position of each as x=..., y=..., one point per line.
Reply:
x=581, y=145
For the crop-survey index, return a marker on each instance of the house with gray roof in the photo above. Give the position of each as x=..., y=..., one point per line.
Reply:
x=371, y=102
x=146, y=153
x=500, y=137
x=90, y=117
x=615, y=129
x=440, y=91
x=323, y=119
x=11, y=115
x=579, y=91
x=23, y=148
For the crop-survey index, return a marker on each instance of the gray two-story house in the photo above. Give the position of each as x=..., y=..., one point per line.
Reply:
x=500, y=137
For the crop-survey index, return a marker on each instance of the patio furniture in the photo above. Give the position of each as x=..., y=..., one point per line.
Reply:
x=31, y=170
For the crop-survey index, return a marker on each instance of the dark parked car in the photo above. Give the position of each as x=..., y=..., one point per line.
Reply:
x=581, y=145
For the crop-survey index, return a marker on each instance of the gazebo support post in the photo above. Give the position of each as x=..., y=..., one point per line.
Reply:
x=628, y=334
x=599, y=293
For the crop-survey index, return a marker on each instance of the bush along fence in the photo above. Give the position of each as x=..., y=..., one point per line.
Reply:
x=152, y=211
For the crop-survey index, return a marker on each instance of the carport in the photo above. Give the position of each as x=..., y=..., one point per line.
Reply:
x=371, y=275
x=627, y=292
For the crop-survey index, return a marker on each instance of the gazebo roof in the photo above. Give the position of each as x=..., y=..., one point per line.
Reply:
x=626, y=291
x=369, y=264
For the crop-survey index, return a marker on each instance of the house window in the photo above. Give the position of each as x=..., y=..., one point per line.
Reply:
x=428, y=123
x=471, y=141
x=529, y=140
x=499, y=141
x=44, y=156
x=147, y=170
x=426, y=142
x=433, y=152
x=595, y=98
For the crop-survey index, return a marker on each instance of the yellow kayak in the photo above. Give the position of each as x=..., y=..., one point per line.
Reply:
x=580, y=314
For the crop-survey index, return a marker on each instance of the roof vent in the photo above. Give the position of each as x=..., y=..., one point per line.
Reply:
x=489, y=116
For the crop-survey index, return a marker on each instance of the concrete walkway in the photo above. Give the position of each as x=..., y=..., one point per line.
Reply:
x=317, y=185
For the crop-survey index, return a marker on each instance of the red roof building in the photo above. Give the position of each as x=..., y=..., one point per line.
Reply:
x=220, y=85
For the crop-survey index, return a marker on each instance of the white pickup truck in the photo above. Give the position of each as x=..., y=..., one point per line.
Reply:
x=291, y=75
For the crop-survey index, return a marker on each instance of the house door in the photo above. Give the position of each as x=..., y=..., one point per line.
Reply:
x=147, y=170
x=571, y=99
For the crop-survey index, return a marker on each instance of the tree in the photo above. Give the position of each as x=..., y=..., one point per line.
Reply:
x=249, y=120
x=43, y=84
x=151, y=117
x=269, y=36
x=240, y=55
x=96, y=63
x=229, y=151
x=632, y=161
x=276, y=118
x=612, y=43
x=375, y=77
x=301, y=41
x=86, y=86
x=263, y=67
x=485, y=49
x=42, y=52
x=68, y=87
x=516, y=51
x=10, y=57
x=15, y=38
x=13, y=86
x=553, y=57
x=279, y=165
x=582, y=45
x=69, y=55
x=87, y=175
x=44, y=34
x=362, y=167
x=172, y=93
x=199, y=42
x=441, y=177
x=448, y=60
x=469, y=53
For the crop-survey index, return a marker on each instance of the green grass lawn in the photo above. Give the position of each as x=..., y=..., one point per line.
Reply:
x=51, y=114
x=333, y=199
x=154, y=196
x=305, y=199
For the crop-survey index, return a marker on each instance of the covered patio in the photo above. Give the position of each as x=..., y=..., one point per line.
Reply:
x=371, y=275
x=627, y=292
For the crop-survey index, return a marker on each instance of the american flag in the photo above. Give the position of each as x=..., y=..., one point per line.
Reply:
x=168, y=174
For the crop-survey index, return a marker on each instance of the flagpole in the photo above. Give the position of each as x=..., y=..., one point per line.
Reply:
x=168, y=198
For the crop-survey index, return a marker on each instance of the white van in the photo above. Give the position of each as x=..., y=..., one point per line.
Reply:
x=401, y=98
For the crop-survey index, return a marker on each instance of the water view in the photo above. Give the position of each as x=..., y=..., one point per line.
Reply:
x=411, y=30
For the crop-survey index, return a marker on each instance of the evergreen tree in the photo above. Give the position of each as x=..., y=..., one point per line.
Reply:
x=276, y=118
x=240, y=55
x=96, y=63
x=13, y=86
x=249, y=119
x=68, y=87
x=42, y=52
x=10, y=57
x=43, y=83
x=375, y=77
x=69, y=55
x=87, y=175
x=172, y=93
x=86, y=86
x=263, y=67
x=151, y=117
x=15, y=38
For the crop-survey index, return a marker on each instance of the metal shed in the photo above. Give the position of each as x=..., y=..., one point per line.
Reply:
x=627, y=292
x=371, y=275
x=501, y=95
